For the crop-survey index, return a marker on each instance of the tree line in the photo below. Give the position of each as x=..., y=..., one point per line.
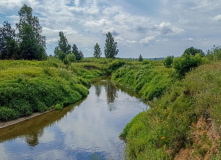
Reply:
x=67, y=53
x=28, y=43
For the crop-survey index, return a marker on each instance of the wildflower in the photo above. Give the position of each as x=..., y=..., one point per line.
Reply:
x=192, y=124
x=162, y=138
x=167, y=125
x=185, y=119
x=168, y=109
x=182, y=116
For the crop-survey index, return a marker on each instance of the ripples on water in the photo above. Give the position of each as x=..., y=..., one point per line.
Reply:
x=86, y=130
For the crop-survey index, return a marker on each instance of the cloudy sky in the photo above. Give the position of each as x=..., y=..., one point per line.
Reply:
x=152, y=28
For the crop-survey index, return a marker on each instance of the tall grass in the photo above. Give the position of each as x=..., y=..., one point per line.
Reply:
x=162, y=131
x=150, y=79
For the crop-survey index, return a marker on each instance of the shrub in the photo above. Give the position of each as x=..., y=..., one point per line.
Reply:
x=66, y=61
x=8, y=114
x=187, y=62
x=58, y=107
x=71, y=57
x=168, y=61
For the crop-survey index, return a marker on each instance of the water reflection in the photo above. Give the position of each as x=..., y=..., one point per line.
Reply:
x=76, y=132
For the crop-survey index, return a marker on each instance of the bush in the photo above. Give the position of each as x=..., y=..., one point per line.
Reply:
x=8, y=114
x=66, y=61
x=168, y=61
x=187, y=62
x=58, y=106
x=71, y=57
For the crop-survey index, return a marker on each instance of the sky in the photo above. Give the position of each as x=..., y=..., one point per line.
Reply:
x=152, y=28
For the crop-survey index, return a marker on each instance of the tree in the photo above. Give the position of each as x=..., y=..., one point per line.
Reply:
x=193, y=51
x=97, y=51
x=32, y=43
x=81, y=55
x=140, y=59
x=75, y=50
x=8, y=44
x=78, y=54
x=187, y=62
x=71, y=57
x=110, y=46
x=63, y=44
x=168, y=61
x=63, y=48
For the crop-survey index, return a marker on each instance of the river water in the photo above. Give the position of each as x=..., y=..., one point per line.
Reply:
x=87, y=130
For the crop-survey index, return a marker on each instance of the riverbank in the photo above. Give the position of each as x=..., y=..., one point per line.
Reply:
x=168, y=128
x=19, y=120
x=27, y=87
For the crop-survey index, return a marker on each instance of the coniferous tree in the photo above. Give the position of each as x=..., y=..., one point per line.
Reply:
x=97, y=51
x=75, y=50
x=140, y=59
x=32, y=43
x=78, y=54
x=110, y=49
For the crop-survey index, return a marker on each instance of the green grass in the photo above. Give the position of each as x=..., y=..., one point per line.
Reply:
x=149, y=79
x=167, y=125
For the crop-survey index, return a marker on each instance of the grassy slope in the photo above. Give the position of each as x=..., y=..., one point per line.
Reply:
x=166, y=126
x=150, y=79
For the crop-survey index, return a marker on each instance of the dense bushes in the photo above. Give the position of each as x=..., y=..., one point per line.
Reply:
x=187, y=62
x=32, y=86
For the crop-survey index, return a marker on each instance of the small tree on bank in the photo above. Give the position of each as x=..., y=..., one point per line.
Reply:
x=78, y=54
x=110, y=49
x=140, y=59
x=168, y=61
x=97, y=51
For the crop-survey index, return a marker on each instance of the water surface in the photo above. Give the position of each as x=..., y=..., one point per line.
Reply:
x=85, y=130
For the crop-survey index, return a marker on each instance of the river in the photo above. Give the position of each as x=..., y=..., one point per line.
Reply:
x=87, y=130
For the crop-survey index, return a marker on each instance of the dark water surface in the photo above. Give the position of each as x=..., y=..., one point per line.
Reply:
x=85, y=130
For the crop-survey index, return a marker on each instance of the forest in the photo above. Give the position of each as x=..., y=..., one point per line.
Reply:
x=184, y=93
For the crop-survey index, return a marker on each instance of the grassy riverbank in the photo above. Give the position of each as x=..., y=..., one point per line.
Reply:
x=173, y=120
x=37, y=86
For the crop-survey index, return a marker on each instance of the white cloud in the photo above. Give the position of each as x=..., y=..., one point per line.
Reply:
x=217, y=18
x=147, y=40
x=129, y=41
x=167, y=28
x=190, y=39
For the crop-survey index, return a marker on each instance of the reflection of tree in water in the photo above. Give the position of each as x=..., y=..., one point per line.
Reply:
x=32, y=139
x=98, y=90
x=111, y=92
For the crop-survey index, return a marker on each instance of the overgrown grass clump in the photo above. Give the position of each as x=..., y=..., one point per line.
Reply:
x=162, y=131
